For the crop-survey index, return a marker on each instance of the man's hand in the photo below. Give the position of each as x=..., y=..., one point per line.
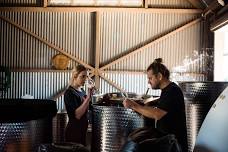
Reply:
x=128, y=103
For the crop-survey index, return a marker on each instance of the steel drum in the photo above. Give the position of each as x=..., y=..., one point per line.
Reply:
x=199, y=97
x=213, y=134
x=111, y=125
x=25, y=124
x=59, y=124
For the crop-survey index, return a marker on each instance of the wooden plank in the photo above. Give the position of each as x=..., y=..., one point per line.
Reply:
x=101, y=9
x=46, y=42
x=125, y=72
x=37, y=70
x=112, y=83
x=44, y=70
x=151, y=43
x=219, y=22
x=196, y=3
x=145, y=3
x=97, y=51
x=211, y=8
x=144, y=73
x=45, y=3
x=59, y=93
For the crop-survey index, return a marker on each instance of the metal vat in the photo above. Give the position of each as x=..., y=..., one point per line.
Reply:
x=25, y=124
x=111, y=125
x=199, y=97
x=59, y=125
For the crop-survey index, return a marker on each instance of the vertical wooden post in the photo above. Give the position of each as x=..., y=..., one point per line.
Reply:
x=97, y=50
x=45, y=3
x=145, y=3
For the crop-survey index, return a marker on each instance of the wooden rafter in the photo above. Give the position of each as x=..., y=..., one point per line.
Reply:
x=196, y=3
x=45, y=3
x=150, y=44
x=125, y=72
x=112, y=83
x=211, y=8
x=46, y=42
x=101, y=9
x=59, y=93
x=145, y=3
x=144, y=72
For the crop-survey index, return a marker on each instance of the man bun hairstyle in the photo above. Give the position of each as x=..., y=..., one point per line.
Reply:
x=158, y=67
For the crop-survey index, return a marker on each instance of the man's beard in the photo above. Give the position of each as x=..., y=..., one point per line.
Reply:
x=157, y=86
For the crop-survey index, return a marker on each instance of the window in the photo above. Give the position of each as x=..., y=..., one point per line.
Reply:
x=221, y=54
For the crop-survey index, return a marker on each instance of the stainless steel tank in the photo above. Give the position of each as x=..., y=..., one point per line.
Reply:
x=59, y=124
x=213, y=134
x=25, y=124
x=199, y=97
x=111, y=124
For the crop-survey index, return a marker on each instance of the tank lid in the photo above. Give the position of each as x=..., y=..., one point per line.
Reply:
x=19, y=110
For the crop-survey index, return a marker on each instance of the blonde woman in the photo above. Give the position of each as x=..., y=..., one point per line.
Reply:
x=77, y=103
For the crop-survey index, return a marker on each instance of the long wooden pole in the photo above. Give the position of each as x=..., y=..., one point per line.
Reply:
x=150, y=44
x=101, y=9
x=46, y=42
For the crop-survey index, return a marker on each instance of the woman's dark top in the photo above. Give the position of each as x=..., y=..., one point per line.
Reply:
x=76, y=128
x=174, y=122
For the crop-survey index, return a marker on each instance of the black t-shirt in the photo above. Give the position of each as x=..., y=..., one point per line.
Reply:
x=76, y=128
x=73, y=99
x=172, y=101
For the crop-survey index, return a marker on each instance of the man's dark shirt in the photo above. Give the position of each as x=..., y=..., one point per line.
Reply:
x=174, y=122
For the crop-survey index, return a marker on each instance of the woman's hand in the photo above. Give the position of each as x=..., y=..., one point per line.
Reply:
x=91, y=91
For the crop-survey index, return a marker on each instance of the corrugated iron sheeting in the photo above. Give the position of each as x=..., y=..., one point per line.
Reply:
x=19, y=2
x=126, y=32
x=40, y=85
x=70, y=31
x=117, y=3
x=174, y=50
x=120, y=33
x=138, y=83
x=169, y=4
x=105, y=87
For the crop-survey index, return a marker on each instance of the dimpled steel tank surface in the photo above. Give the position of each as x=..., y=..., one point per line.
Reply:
x=199, y=97
x=25, y=124
x=111, y=126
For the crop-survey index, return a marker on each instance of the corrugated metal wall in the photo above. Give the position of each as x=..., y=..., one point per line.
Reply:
x=40, y=85
x=133, y=30
x=118, y=3
x=74, y=32
x=71, y=31
x=151, y=3
x=169, y=4
x=20, y=2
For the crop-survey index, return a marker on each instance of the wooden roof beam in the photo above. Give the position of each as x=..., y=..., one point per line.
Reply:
x=196, y=3
x=111, y=82
x=101, y=9
x=45, y=3
x=150, y=44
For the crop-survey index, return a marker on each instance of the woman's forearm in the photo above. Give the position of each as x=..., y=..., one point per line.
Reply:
x=80, y=111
